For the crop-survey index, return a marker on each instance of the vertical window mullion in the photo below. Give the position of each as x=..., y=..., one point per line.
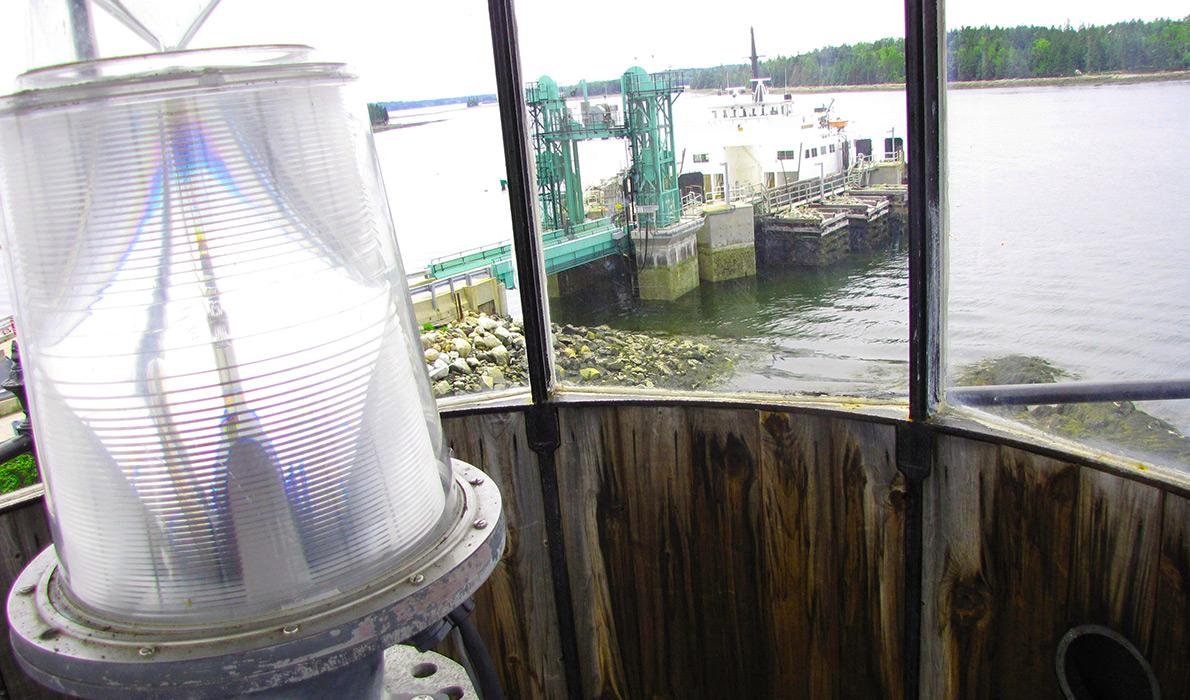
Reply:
x=530, y=272
x=924, y=50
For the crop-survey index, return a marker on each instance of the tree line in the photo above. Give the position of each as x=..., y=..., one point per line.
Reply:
x=973, y=53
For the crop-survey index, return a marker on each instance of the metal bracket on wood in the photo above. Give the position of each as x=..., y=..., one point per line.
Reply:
x=541, y=428
x=915, y=451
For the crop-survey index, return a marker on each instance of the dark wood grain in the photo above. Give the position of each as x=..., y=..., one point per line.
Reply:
x=722, y=553
x=1170, y=655
x=1117, y=547
x=24, y=532
x=996, y=572
x=1020, y=548
x=515, y=611
x=659, y=511
x=830, y=564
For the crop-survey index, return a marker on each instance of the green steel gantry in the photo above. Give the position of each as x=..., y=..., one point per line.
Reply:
x=569, y=240
x=647, y=123
x=648, y=119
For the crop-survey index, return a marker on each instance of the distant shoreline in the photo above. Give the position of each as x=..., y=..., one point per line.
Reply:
x=1087, y=79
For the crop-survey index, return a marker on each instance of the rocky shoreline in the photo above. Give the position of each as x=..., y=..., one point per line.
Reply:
x=1110, y=424
x=483, y=352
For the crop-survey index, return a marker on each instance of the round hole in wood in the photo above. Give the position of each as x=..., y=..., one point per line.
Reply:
x=424, y=670
x=1097, y=663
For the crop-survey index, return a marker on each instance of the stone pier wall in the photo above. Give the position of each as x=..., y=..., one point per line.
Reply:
x=667, y=261
x=727, y=243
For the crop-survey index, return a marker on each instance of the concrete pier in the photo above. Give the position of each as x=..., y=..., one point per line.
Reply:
x=439, y=301
x=727, y=243
x=886, y=173
x=667, y=260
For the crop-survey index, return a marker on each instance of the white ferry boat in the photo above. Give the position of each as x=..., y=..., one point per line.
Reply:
x=760, y=140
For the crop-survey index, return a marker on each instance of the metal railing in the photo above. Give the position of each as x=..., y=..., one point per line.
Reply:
x=693, y=202
x=1069, y=392
x=431, y=285
x=773, y=198
x=805, y=191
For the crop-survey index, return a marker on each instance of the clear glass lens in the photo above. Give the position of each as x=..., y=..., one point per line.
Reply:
x=217, y=341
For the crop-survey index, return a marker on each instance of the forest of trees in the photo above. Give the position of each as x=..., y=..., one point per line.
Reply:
x=973, y=53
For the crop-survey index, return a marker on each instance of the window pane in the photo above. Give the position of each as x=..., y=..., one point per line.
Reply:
x=1067, y=261
x=438, y=141
x=439, y=145
x=705, y=230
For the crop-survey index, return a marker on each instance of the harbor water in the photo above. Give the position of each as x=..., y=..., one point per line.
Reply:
x=1066, y=240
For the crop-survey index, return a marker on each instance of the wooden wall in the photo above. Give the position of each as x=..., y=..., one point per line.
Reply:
x=732, y=553
x=735, y=552
x=1020, y=548
x=515, y=611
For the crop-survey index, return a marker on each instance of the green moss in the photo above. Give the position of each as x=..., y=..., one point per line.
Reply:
x=668, y=283
x=18, y=472
x=719, y=265
x=1010, y=369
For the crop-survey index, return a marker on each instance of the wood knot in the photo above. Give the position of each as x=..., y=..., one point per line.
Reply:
x=898, y=492
x=969, y=602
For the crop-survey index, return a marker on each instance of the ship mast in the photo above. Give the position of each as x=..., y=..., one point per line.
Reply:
x=759, y=89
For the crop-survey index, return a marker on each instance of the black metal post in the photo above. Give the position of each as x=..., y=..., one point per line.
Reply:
x=541, y=420
x=924, y=42
x=924, y=50
x=526, y=240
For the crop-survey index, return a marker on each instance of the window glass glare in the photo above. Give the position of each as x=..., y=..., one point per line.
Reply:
x=1066, y=261
x=710, y=223
x=438, y=141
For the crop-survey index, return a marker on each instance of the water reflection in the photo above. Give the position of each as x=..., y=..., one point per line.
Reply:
x=840, y=329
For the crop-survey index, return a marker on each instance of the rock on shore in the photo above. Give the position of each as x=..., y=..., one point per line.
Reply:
x=1111, y=424
x=484, y=352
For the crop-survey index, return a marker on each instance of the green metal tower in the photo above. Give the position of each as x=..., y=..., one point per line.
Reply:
x=648, y=119
x=559, y=181
x=648, y=125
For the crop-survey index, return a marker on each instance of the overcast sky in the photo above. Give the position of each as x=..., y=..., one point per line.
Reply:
x=409, y=49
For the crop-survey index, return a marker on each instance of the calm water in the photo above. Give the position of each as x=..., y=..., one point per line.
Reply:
x=1068, y=240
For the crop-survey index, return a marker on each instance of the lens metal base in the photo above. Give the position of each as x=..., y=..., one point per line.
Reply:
x=66, y=651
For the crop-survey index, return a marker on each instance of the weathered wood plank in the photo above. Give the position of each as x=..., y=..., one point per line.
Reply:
x=515, y=610
x=1117, y=546
x=1170, y=655
x=869, y=522
x=830, y=564
x=997, y=571
x=955, y=598
x=799, y=558
x=660, y=507
x=594, y=505
x=727, y=609
x=24, y=532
